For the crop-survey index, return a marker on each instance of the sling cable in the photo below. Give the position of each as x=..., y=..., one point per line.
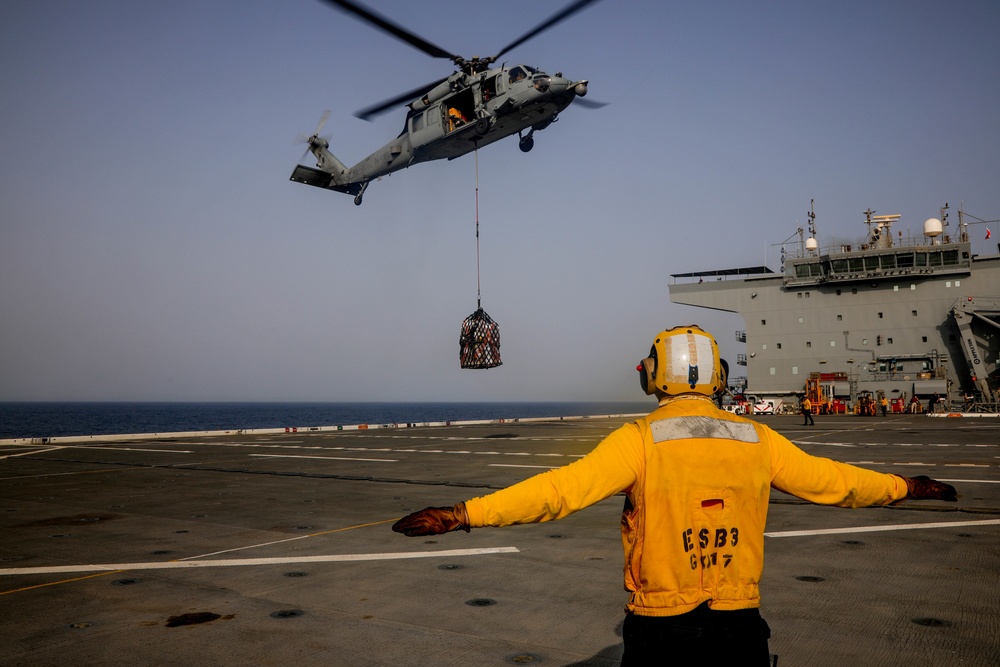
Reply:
x=479, y=342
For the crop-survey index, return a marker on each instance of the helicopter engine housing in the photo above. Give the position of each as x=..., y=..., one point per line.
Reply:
x=433, y=95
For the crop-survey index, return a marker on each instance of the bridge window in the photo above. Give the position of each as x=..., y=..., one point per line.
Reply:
x=811, y=270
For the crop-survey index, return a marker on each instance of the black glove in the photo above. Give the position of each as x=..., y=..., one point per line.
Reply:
x=925, y=488
x=433, y=521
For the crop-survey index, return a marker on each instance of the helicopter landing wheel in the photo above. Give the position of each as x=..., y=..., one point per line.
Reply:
x=482, y=126
x=526, y=144
x=361, y=193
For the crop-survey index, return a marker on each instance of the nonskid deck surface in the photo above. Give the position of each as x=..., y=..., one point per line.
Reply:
x=276, y=549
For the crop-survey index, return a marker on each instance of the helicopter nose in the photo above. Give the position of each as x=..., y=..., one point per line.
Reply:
x=580, y=88
x=559, y=84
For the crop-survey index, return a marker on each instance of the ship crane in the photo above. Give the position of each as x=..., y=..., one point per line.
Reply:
x=978, y=321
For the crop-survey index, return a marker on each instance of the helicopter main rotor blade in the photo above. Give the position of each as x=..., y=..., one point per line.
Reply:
x=589, y=104
x=374, y=110
x=397, y=31
x=545, y=25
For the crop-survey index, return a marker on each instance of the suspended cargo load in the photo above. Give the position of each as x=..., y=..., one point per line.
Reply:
x=479, y=344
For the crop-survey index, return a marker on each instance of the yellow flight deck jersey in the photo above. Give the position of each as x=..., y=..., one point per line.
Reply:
x=697, y=481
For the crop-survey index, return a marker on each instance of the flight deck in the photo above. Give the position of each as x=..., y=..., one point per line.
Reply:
x=275, y=549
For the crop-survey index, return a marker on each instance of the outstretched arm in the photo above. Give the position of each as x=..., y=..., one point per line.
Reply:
x=826, y=482
x=611, y=467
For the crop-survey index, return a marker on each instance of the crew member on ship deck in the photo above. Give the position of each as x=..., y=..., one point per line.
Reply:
x=697, y=481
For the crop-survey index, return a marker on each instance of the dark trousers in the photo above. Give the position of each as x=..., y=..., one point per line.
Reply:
x=699, y=638
x=807, y=417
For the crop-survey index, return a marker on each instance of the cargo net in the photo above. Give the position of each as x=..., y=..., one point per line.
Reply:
x=479, y=344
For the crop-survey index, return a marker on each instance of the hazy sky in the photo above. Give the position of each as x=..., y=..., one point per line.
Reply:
x=153, y=248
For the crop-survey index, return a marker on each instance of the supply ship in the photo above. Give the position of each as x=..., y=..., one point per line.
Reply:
x=904, y=318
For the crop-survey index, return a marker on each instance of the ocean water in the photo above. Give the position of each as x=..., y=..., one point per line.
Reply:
x=48, y=420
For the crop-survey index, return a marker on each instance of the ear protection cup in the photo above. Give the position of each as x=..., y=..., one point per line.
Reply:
x=647, y=368
x=724, y=379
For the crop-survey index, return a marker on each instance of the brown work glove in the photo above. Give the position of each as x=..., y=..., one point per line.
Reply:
x=433, y=521
x=925, y=488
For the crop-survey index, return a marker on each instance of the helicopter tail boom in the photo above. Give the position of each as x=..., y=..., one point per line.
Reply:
x=323, y=179
x=329, y=172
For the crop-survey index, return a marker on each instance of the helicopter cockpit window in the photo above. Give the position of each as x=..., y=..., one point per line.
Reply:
x=516, y=74
x=541, y=82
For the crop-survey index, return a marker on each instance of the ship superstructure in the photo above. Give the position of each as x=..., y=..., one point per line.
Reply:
x=890, y=316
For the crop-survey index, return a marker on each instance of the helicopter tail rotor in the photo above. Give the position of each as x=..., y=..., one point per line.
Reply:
x=319, y=146
x=315, y=141
x=323, y=118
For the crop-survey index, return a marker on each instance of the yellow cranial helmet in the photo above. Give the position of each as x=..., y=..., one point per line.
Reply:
x=683, y=360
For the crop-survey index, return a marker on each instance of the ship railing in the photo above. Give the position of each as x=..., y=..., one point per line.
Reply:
x=980, y=407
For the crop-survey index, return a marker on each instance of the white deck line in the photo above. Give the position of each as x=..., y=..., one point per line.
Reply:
x=236, y=562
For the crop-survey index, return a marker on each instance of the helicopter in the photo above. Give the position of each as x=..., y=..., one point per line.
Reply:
x=475, y=106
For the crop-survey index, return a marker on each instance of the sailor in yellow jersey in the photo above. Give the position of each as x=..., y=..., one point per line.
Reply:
x=697, y=481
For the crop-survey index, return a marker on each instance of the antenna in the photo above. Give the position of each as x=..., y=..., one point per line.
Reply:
x=811, y=243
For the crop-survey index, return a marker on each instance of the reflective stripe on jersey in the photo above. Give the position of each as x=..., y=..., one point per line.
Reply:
x=694, y=426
